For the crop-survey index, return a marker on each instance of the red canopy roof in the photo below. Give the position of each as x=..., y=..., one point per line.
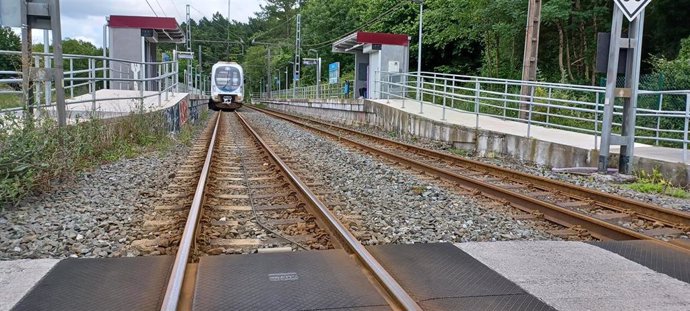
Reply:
x=144, y=22
x=355, y=41
x=166, y=28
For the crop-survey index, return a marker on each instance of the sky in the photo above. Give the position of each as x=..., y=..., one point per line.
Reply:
x=84, y=19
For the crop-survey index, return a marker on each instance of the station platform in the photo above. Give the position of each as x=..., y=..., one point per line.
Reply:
x=111, y=103
x=578, y=140
x=545, y=275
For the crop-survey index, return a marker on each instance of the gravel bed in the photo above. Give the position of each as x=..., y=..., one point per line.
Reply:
x=391, y=205
x=96, y=214
x=613, y=184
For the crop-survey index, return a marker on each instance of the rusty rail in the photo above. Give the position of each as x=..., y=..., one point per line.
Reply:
x=174, y=288
x=598, y=228
x=401, y=298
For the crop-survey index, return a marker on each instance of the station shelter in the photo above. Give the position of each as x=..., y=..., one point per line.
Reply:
x=135, y=38
x=375, y=53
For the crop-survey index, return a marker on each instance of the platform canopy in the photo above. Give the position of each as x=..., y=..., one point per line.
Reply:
x=355, y=42
x=164, y=29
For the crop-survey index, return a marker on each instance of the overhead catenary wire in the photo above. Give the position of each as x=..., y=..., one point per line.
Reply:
x=177, y=12
x=159, y=6
x=272, y=29
x=154, y=13
x=151, y=7
x=361, y=26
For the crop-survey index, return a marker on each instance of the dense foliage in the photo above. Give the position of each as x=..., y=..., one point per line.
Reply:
x=460, y=36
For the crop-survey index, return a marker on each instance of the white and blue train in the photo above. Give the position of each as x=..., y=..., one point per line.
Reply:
x=227, y=86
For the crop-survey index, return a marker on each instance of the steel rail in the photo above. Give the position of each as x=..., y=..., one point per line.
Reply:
x=597, y=228
x=174, y=288
x=668, y=215
x=352, y=245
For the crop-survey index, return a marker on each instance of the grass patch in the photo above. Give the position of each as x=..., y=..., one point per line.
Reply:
x=8, y=101
x=655, y=183
x=459, y=152
x=34, y=151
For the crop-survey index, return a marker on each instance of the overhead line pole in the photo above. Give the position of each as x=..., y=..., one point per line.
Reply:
x=298, y=46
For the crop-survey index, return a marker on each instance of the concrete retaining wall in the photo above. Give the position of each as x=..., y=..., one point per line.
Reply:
x=483, y=142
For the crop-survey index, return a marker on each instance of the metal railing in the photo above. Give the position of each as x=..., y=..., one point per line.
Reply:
x=336, y=90
x=663, y=117
x=86, y=74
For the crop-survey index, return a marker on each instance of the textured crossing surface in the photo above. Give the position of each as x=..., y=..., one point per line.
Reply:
x=653, y=256
x=442, y=277
x=314, y=280
x=101, y=284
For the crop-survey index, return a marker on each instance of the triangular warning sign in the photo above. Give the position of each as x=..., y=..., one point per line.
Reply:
x=632, y=8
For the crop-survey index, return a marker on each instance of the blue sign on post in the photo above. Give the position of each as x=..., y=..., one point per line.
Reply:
x=333, y=73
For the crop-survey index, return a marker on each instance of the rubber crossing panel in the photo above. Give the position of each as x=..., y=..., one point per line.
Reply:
x=102, y=284
x=309, y=280
x=441, y=276
x=652, y=255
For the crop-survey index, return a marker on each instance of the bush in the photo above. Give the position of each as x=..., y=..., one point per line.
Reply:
x=34, y=151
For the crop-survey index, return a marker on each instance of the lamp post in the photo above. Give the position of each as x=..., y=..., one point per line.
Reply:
x=318, y=72
x=419, y=48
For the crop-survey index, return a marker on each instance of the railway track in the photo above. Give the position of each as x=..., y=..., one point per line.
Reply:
x=581, y=210
x=248, y=200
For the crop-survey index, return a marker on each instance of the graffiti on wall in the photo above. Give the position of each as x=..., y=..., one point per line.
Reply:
x=184, y=111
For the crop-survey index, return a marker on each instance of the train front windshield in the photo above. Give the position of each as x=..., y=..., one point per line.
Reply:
x=228, y=79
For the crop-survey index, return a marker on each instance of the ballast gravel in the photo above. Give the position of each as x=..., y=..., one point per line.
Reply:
x=97, y=214
x=387, y=204
x=613, y=184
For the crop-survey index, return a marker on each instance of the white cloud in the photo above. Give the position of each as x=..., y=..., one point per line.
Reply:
x=84, y=19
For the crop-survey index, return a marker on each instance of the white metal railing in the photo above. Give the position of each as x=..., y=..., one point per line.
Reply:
x=86, y=74
x=663, y=117
x=336, y=90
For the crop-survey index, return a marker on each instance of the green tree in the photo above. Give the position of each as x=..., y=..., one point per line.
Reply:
x=9, y=41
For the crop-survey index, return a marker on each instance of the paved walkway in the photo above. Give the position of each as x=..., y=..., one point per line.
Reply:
x=113, y=103
x=579, y=140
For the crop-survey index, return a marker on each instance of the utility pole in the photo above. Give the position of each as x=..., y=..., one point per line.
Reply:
x=298, y=46
x=189, y=49
x=530, y=57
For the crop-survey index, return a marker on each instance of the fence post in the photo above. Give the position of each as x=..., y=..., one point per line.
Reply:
x=176, y=77
x=141, y=88
x=160, y=84
x=596, y=122
x=105, y=74
x=505, y=100
x=548, y=107
x=529, y=116
x=477, y=94
x=92, y=83
x=71, y=77
x=452, y=99
x=445, y=95
x=658, y=118
x=421, y=95
x=388, y=88
x=685, y=132
x=433, y=96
